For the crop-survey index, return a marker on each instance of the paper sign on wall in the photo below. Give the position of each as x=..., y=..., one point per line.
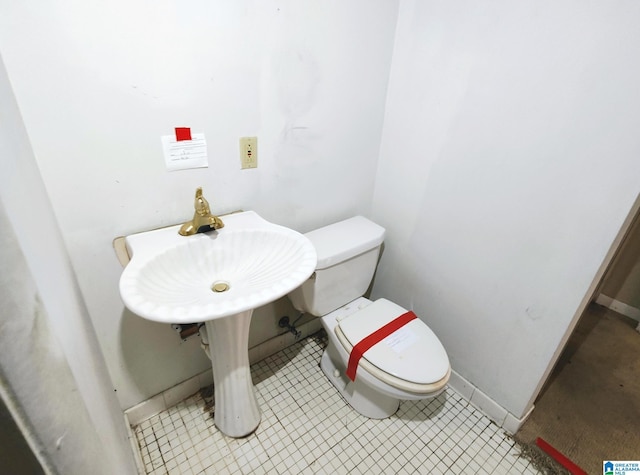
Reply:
x=181, y=154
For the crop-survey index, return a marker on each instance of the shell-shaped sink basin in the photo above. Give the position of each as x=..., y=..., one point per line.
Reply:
x=248, y=263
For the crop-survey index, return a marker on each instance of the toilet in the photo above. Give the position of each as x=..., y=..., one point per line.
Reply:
x=402, y=360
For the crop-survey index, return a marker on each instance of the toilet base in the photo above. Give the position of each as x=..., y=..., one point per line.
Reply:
x=364, y=399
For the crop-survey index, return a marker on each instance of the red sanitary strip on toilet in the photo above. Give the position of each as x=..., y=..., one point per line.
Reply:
x=376, y=337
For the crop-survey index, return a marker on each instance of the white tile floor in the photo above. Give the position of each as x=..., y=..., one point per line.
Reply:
x=307, y=428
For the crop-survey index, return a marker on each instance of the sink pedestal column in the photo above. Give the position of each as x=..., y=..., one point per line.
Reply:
x=236, y=409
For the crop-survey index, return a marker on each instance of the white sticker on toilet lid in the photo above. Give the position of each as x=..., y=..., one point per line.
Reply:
x=401, y=339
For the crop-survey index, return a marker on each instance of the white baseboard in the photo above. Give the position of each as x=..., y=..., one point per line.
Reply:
x=620, y=307
x=134, y=447
x=170, y=397
x=488, y=406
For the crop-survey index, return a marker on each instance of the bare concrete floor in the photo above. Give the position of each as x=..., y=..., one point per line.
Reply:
x=590, y=407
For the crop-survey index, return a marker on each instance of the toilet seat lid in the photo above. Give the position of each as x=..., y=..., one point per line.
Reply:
x=412, y=353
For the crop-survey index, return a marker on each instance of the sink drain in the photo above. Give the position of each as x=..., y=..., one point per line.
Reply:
x=220, y=286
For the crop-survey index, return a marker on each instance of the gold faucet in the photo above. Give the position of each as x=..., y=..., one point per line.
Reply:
x=203, y=220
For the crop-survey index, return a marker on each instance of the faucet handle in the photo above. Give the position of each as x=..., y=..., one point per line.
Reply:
x=201, y=204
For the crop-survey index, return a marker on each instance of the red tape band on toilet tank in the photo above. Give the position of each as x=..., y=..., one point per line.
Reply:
x=376, y=337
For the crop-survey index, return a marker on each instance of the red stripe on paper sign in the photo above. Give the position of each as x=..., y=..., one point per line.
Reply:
x=376, y=337
x=183, y=133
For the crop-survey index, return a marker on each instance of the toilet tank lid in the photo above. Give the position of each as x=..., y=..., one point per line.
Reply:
x=340, y=241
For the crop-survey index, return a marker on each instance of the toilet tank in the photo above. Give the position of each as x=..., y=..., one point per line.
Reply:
x=347, y=257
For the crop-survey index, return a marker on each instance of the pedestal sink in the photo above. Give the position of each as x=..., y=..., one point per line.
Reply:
x=218, y=277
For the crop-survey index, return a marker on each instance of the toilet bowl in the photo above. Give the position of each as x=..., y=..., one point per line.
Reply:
x=410, y=363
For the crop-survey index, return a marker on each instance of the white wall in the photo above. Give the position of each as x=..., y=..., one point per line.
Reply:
x=52, y=375
x=98, y=84
x=508, y=158
x=509, y=161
